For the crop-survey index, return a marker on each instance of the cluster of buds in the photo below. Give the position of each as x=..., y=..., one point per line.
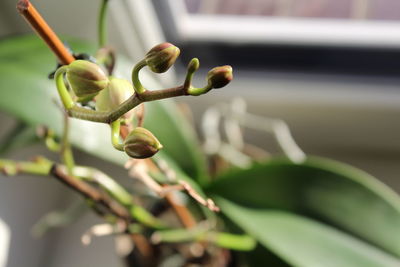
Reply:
x=117, y=91
x=88, y=81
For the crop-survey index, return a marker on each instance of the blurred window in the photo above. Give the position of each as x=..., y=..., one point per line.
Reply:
x=329, y=9
x=346, y=36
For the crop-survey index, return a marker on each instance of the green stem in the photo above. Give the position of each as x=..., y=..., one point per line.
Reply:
x=193, y=66
x=102, y=24
x=146, y=218
x=141, y=95
x=52, y=144
x=66, y=98
x=41, y=167
x=225, y=240
x=137, y=85
x=66, y=151
x=115, y=135
x=199, y=91
x=130, y=103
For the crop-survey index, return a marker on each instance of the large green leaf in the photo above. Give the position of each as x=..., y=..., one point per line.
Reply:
x=26, y=93
x=304, y=242
x=324, y=190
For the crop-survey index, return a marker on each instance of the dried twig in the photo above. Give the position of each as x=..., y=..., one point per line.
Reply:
x=139, y=169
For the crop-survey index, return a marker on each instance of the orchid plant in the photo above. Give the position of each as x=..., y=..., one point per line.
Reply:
x=242, y=206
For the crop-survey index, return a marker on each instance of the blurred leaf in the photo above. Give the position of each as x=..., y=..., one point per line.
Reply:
x=261, y=256
x=304, y=242
x=21, y=135
x=27, y=94
x=178, y=138
x=322, y=189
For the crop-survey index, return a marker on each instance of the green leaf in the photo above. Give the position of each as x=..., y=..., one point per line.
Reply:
x=20, y=136
x=177, y=136
x=261, y=256
x=27, y=94
x=304, y=242
x=324, y=190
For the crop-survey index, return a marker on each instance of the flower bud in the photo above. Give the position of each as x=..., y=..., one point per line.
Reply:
x=193, y=65
x=220, y=76
x=161, y=57
x=117, y=91
x=86, y=78
x=141, y=143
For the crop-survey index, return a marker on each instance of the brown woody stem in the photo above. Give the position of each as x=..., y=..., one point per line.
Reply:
x=36, y=21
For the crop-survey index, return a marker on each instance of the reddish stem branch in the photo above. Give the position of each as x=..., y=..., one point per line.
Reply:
x=90, y=192
x=36, y=21
x=184, y=215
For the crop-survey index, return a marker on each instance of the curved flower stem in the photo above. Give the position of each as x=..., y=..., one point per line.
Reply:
x=141, y=95
x=102, y=24
x=52, y=144
x=65, y=96
x=137, y=85
x=40, y=166
x=192, y=67
x=115, y=135
x=199, y=91
x=130, y=103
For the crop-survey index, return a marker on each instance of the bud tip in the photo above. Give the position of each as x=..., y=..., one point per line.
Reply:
x=220, y=76
x=141, y=143
x=161, y=57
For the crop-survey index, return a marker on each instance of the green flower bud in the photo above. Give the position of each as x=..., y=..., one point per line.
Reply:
x=161, y=57
x=86, y=78
x=117, y=91
x=193, y=65
x=220, y=76
x=141, y=143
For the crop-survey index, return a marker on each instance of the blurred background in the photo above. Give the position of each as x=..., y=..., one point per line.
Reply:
x=329, y=68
